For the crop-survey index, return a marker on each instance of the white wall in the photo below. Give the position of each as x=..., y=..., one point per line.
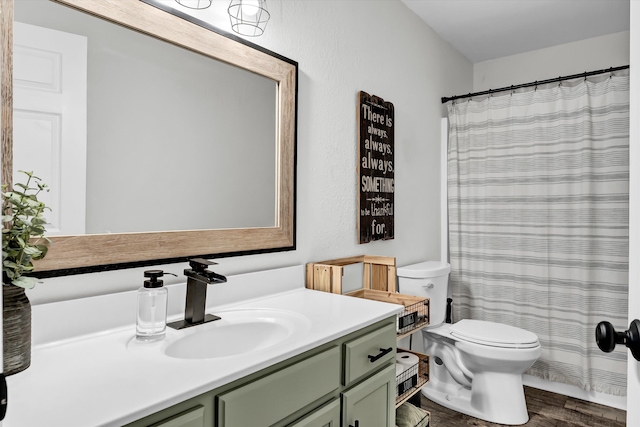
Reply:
x=572, y=58
x=382, y=48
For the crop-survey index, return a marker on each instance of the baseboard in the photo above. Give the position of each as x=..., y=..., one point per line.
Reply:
x=619, y=402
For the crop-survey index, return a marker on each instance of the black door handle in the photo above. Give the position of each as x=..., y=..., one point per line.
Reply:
x=607, y=337
x=357, y=424
x=383, y=351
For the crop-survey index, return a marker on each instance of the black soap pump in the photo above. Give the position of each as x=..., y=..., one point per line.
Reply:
x=151, y=321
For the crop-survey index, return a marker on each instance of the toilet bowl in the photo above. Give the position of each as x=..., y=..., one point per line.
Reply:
x=476, y=366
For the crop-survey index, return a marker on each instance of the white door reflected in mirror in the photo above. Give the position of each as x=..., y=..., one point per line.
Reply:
x=50, y=120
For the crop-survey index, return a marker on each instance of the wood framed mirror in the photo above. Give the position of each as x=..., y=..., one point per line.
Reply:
x=116, y=246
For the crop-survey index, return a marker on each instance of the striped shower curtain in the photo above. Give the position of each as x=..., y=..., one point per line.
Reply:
x=538, y=220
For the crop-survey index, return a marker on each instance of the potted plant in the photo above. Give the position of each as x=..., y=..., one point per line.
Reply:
x=23, y=242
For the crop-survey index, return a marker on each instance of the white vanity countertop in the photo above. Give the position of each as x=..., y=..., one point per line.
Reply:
x=94, y=380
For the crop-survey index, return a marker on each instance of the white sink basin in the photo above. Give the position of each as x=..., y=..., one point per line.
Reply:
x=238, y=332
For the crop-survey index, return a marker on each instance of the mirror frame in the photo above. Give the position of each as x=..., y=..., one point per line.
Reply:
x=100, y=252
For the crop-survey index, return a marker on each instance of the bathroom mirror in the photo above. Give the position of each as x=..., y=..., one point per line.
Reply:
x=206, y=189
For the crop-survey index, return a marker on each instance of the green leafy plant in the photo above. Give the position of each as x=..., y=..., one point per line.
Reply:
x=23, y=239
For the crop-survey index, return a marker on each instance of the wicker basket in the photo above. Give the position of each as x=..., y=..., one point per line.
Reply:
x=412, y=379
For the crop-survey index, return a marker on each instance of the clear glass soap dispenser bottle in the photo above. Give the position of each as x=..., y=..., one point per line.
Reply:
x=151, y=321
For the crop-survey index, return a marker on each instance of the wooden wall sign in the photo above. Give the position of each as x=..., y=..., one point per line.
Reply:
x=375, y=168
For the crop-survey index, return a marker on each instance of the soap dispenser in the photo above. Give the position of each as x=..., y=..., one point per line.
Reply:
x=151, y=321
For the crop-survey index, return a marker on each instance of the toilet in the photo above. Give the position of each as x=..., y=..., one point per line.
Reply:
x=475, y=366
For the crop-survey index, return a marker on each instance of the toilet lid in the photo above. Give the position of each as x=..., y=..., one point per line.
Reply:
x=493, y=334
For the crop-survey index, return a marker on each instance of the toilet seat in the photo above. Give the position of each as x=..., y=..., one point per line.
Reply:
x=493, y=334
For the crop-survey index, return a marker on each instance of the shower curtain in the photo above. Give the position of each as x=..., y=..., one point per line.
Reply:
x=538, y=220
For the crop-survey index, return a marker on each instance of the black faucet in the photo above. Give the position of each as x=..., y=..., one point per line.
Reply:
x=198, y=277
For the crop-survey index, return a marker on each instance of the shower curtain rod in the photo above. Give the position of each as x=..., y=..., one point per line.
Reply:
x=536, y=83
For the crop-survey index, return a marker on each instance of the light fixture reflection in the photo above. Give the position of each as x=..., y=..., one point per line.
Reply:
x=248, y=17
x=250, y=7
x=195, y=4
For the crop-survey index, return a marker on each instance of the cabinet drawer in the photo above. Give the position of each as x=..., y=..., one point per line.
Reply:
x=368, y=353
x=191, y=418
x=272, y=398
x=326, y=416
x=195, y=412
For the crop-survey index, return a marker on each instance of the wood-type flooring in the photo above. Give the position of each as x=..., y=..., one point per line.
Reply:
x=545, y=410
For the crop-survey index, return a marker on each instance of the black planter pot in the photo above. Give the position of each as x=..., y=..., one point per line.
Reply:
x=16, y=330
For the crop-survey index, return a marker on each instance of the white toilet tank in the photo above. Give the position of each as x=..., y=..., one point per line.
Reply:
x=429, y=279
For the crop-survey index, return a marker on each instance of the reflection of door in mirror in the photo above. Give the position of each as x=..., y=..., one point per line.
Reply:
x=175, y=140
x=49, y=119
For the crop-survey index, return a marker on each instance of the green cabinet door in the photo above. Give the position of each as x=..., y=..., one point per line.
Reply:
x=326, y=416
x=372, y=402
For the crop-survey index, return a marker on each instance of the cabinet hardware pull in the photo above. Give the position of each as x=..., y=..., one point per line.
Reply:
x=383, y=351
x=357, y=424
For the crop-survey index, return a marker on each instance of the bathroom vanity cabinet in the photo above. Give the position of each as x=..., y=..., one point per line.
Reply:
x=349, y=379
x=314, y=372
x=379, y=284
